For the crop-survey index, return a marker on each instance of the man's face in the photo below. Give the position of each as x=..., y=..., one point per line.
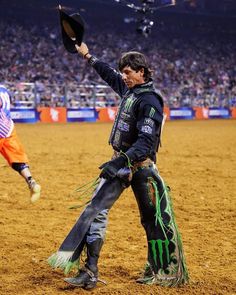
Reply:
x=132, y=77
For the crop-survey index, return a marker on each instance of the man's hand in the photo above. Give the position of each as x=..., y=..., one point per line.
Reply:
x=83, y=50
x=110, y=169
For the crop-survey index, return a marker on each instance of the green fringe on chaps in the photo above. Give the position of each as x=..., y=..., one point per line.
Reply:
x=176, y=273
x=61, y=260
x=105, y=193
x=166, y=264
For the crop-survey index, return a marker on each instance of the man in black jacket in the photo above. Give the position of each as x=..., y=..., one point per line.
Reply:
x=135, y=139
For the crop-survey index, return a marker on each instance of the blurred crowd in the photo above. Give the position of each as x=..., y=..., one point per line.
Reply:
x=189, y=68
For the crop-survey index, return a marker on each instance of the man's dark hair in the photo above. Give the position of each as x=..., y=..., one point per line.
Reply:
x=136, y=61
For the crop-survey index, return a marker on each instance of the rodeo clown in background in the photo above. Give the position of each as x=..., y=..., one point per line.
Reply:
x=135, y=139
x=11, y=147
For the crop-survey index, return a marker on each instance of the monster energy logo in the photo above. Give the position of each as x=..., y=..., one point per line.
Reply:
x=160, y=244
x=152, y=112
x=128, y=103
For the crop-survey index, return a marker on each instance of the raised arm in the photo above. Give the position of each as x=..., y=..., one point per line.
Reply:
x=107, y=73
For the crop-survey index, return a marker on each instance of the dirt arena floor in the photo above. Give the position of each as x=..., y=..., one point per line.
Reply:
x=198, y=161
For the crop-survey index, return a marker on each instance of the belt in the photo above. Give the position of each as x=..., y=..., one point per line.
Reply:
x=148, y=163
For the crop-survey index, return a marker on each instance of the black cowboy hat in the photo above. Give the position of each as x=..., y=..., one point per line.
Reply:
x=72, y=29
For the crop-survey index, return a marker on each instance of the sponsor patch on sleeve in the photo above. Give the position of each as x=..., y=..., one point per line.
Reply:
x=148, y=121
x=146, y=129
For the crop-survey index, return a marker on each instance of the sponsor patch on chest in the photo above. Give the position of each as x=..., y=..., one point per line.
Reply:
x=123, y=126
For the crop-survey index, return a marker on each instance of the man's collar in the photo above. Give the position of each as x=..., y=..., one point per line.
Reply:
x=144, y=85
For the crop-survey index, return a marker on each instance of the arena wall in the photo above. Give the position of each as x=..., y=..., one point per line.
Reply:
x=63, y=115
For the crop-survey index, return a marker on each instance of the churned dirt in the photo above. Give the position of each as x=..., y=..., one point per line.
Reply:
x=197, y=160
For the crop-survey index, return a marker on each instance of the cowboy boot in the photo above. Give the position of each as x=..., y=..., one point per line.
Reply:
x=87, y=276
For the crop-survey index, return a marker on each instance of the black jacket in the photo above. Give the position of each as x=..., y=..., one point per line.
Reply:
x=137, y=127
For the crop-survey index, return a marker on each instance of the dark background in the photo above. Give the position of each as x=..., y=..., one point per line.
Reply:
x=104, y=12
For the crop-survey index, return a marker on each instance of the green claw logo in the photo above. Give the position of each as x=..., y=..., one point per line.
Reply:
x=161, y=245
x=128, y=104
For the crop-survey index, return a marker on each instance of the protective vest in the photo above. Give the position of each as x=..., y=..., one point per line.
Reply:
x=124, y=132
